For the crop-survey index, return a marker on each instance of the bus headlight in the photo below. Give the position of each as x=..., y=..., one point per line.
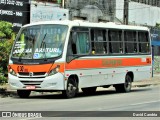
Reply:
x=11, y=71
x=54, y=71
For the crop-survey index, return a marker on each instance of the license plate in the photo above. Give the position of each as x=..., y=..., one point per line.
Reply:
x=30, y=87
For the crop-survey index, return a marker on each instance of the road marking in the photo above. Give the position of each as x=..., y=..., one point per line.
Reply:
x=145, y=102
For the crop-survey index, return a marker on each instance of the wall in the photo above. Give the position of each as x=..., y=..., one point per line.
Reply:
x=91, y=10
x=139, y=13
x=47, y=11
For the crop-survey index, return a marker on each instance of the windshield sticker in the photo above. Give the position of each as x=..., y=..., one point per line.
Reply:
x=18, y=51
x=36, y=55
x=22, y=51
x=19, y=44
x=38, y=50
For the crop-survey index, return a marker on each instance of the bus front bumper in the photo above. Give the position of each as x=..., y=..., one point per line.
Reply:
x=54, y=82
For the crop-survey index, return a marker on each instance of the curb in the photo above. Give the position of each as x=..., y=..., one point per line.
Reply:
x=7, y=93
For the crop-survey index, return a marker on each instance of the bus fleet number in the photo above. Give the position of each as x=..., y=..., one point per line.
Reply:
x=20, y=68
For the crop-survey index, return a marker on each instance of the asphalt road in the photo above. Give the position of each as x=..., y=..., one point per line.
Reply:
x=139, y=99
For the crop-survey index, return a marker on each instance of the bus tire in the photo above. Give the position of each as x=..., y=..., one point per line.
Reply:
x=125, y=87
x=23, y=93
x=90, y=90
x=72, y=88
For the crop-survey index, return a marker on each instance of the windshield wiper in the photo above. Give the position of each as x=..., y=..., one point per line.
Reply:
x=44, y=53
x=43, y=40
x=43, y=45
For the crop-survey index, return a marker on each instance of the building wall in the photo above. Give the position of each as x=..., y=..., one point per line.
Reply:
x=91, y=10
x=149, y=2
x=139, y=13
x=41, y=11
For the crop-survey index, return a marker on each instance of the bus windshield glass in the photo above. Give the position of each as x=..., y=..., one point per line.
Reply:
x=40, y=42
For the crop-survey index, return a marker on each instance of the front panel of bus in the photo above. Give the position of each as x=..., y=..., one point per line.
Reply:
x=36, y=60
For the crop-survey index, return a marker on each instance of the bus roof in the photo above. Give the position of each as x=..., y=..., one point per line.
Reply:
x=90, y=24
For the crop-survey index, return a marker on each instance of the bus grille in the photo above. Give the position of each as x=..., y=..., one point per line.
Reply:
x=31, y=82
x=32, y=74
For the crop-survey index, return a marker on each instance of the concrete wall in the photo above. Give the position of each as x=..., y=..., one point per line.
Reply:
x=91, y=10
x=46, y=11
x=139, y=13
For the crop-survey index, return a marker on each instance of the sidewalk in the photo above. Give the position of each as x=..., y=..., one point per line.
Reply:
x=6, y=91
x=155, y=80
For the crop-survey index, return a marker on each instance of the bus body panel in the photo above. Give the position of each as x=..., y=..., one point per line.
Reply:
x=107, y=70
x=90, y=78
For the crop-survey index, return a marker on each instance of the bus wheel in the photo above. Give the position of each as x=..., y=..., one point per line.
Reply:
x=23, y=93
x=126, y=87
x=90, y=90
x=72, y=88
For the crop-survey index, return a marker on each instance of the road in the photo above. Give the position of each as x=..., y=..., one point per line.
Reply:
x=139, y=99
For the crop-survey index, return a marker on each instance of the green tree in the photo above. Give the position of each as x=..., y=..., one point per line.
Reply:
x=5, y=30
x=158, y=25
x=6, y=42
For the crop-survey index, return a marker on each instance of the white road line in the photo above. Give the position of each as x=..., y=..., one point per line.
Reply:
x=146, y=102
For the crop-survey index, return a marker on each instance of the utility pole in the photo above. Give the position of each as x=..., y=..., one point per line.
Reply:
x=111, y=10
x=125, y=12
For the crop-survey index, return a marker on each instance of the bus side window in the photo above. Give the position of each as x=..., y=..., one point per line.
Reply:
x=143, y=39
x=73, y=42
x=71, y=45
x=74, y=51
x=79, y=41
x=99, y=44
x=115, y=41
x=82, y=43
x=130, y=41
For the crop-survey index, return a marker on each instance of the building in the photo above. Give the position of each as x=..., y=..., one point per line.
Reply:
x=155, y=3
x=91, y=10
x=44, y=11
x=140, y=12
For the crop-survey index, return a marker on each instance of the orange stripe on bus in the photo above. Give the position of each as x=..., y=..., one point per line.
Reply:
x=107, y=63
x=85, y=64
x=36, y=68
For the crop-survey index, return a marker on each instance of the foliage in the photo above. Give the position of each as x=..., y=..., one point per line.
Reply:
x=156, y=65
x=5, y=30
x=158, y=25
x=5, y=46
x=3, y=79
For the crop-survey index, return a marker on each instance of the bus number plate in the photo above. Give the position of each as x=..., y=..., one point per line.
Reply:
x=30, y=87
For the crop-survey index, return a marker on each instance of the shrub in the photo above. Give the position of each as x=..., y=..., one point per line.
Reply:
x=6, y=42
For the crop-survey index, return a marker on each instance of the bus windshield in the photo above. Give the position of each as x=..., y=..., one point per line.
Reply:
x=40, y=42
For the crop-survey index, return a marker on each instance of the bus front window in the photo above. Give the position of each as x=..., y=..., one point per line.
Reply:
x=40, y=42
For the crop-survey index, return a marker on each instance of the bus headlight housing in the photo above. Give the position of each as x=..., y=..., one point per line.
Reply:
x=11, y=71
x=54, y=71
